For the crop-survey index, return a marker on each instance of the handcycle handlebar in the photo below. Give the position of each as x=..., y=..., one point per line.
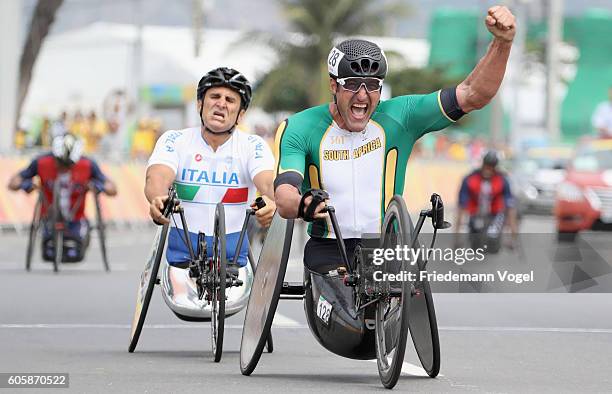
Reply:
x=260, y=202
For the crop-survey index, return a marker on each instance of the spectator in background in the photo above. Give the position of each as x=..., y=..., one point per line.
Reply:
x=44, y=135
x=602, y=117
x=143, y=140
x=97, y=130
x=78, y=126
x=115, y=112
x=457, y=151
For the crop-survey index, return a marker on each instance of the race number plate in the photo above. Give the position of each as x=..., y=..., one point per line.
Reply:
x=324, y=309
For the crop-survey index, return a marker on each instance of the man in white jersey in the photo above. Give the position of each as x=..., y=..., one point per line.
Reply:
x=210, y=164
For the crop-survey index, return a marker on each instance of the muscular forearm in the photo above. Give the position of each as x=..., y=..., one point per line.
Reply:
x=479, y=88
x=264, y=182
x=287, y=199
x=157, y=182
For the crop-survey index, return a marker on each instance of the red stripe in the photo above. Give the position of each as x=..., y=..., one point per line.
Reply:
x=236, y=195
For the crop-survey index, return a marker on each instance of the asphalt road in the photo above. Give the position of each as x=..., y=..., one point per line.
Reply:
x=77, y=322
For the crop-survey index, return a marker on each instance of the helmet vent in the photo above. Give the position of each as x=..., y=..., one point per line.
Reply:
x=354, y=49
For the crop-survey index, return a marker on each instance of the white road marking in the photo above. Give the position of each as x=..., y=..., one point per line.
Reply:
x=38, y=267
x=286, y=322
x=283, y=321
x=412, y=370
x=570, y=330
x=280, y=321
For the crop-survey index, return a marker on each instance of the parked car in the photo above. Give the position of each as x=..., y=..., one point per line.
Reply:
x=584, y=198
x=535, y=175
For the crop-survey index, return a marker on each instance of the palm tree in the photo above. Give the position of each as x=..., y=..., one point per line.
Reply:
x=300, y=78
x=42, y=19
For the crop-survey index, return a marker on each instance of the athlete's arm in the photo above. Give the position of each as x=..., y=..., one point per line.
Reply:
x=292, y=145
x=511, y=211
x=288, y=197
x=159, y=178
x=17, y=181
x=260, y=167
x=161, y=172
x=108, y=186
x=264, y=182
x=479, y=88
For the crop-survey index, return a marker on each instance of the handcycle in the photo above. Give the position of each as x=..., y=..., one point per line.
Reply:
x=47, y=212
x=208, y=293
x=350, y=313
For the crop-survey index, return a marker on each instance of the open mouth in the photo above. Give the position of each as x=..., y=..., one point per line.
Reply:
x=218, y=115
x=359, y=110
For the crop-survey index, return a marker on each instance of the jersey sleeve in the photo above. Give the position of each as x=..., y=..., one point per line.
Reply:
x=260, y=157
x=96, y=173
x=464, y=194
x=291, y=147
x=30, y=171
x=507, y=193
x=422, y=113
x=166, y=150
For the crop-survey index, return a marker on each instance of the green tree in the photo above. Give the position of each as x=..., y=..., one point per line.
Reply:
x=300, y=78
x=419, y=80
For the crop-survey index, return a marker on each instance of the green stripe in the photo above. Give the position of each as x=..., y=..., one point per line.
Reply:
x=186, y=192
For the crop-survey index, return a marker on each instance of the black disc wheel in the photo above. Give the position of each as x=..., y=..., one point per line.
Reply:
x=423, y=324
x=148, y=279
x=265, y=293
x=34, y=226
x=391, y=318
x=269, y=341
x=216, y=290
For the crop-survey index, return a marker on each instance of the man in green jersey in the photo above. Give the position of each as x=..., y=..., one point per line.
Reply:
x=357, y=147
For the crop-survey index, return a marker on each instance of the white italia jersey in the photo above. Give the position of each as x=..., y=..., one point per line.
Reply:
x=205, y=177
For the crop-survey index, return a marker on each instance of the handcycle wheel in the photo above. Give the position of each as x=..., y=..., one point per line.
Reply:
x=148, y=279
x=269, y=341
x=217, y=287
x=391, y=317
x=101, y=232
x=57, y=229
x=265, y=292
x=34, y=226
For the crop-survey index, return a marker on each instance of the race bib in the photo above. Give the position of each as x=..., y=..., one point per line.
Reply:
x=333, y=61
x=324, y=309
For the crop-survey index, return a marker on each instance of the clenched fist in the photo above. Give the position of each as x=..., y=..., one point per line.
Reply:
x=501, y=23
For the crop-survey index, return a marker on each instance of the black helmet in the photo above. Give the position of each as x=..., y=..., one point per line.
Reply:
x=228, y=77
x=357, y=58
x=491, y=158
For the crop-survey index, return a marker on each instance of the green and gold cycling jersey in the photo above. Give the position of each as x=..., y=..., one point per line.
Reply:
x=361, y=171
